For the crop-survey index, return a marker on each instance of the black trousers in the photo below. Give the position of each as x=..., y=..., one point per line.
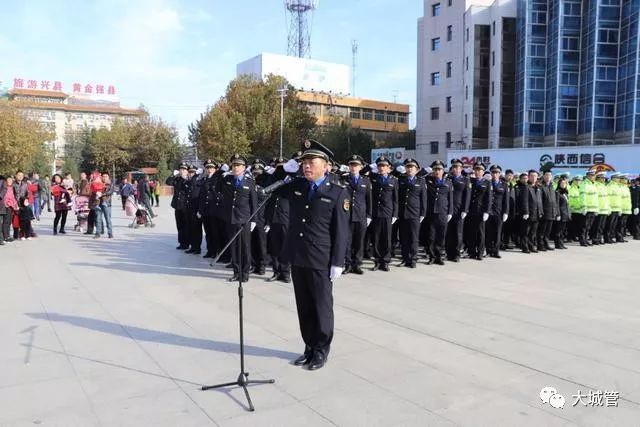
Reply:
x=183, y=227
x=241, y=250
x=610, y=226
x=314, y=301
x=211, y=235
x=381, y=240
x=508, y=230
x=409, y=230
x=621, y=227
x=574, y=227
x=355, y=245
x=275, y=244
x=475, y=235
x=436, y=235
x=91, y=221
x=597, y=229
x=633, y=224
x=494, y=234
x=454, y=237
x=5, y=225
x=559, y=231
x=194, y=230
x=544, y=232
x=61, y=217
x=259, y=247
x=531, y=238
x=587, y=222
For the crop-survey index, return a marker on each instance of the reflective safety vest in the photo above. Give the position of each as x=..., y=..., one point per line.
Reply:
x=615, y=197
x=625, y=194
x=603, y=199
x=589, y=195
x=575, y=199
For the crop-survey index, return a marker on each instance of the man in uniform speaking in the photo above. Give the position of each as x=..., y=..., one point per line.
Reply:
x=315, y=246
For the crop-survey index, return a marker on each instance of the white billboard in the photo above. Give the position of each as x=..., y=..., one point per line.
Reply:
x=302, y=73
x=621, y=158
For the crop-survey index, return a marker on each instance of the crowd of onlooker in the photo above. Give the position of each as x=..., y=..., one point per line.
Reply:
x=24, y=198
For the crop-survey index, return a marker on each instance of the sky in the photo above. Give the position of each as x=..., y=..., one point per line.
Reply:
x=177, y=57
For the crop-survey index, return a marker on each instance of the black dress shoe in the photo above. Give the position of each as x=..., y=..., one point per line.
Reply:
x=347, y=270
x=375, y=267
x=411, y=265
x=316, y=362
x=208, y=255
x=284, y=278
x=384, y=267
x=260, y=272
x=228, y=265
x=357, y=270
x=495, y=255
x=456, y=259
x=478, y=257
x=177, y=247
x=233, y=278
x=429, y=261
x=439, y=261
x=196, y=252
x=526, y=251
x=273, y=278
x=303, y=360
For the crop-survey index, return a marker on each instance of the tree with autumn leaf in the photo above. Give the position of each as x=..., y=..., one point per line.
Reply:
x=22, y=142
x=247, y=120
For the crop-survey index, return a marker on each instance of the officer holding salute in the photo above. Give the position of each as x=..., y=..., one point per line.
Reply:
x=239, y=203
x=359, y=189
x=479, y=206
x=461, y=196
x=316, y=246
x=412, y=208
x=385, y=211
x=439, y=211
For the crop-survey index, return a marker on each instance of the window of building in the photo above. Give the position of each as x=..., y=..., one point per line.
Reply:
x=493, y=28
x=391, y=117
x=355, y=113
x=448, y=104
x=435, y=79
x=435, y=9
x=570, y=43
x=466, y=92
x=449, y=2
x=449, y=65
x=537, y=50
x=379, y=116
x=448, y=139
x=367, y=114
x=536, y=116
x=435, y=113
x=466, y=63
x=571, y=9
x=466, y=121
x=402, y=117
x=493, y=87
x=435, y=43
x=493, y=58
x=492, y=119
x=467, y=36
x=449, y=33
x=434, y=147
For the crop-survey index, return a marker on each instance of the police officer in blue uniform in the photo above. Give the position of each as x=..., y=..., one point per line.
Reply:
x=499, y=212
x=178, y=203
x=239, y=203
x=479, y=206
x=259, y=235
x=316, y=245
x=461, y=196
x=385, y=212
x=359, y=188
x=439, y=212
x=412, y=208
x=277, y=224
x=208, y=204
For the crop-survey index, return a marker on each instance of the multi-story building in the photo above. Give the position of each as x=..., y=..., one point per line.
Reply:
x=535, y=73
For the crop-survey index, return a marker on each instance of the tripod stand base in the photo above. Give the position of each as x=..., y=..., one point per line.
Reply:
x=242, y=381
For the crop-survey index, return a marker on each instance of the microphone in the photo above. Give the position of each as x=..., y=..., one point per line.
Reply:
x=273, y=187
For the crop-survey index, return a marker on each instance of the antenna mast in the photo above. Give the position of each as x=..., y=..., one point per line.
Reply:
x=354, y=56
x=299, y=37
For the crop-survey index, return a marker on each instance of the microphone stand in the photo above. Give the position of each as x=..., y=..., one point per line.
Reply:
x=243, y=379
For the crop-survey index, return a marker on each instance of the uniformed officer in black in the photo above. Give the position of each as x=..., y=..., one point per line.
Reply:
x=384, y=189
x=239, y=203
x=359, y=188
x=479, y=207
x=178, y=203
x=316, y=246
x=259, y=235
x=208, y=204
x=277, y=225
x=499, y=212
x=509, y=226
x=439, y=212
x=461, y=186
x=192, y=204
x=412, y=208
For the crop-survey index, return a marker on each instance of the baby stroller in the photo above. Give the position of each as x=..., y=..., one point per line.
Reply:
x=81, y=209
x=141, y=215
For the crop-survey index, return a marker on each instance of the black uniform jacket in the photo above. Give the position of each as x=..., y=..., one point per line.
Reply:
x=238, y=203
x=439, y=196
x=385, y=196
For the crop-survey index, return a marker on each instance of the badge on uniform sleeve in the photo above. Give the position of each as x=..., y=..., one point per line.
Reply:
x=346, y=204
x=469, y=185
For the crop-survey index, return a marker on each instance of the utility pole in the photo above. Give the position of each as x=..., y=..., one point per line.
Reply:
x=354, y=55
x=282, y=94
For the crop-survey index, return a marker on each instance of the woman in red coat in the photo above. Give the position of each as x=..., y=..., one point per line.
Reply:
x=61, y=204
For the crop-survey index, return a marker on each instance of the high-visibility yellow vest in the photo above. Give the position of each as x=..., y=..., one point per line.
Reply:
x=625, y=194
x=575, y=199
x=589, y=194
x=603, y=199
x=615, y=199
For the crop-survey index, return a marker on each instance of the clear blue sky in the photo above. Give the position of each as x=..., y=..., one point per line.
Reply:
x=176, y=57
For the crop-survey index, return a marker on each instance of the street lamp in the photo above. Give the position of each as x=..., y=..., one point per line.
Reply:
x=282, y=93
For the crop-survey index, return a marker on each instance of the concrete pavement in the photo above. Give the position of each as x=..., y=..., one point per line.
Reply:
x=125, y=331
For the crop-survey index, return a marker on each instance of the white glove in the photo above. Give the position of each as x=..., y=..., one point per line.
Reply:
x=525, y=217
x=558, y=218
x=368, y=221
x=485, y=216
x=225, y=168
x=401, y=169
x=266, y=228
x=421, y=219
x=373, y=167
x=199, y=215
x=636, y=211
x=291, y=166
x=393, y=220
x=226, y=173
x=583, y=211
x=505, y=217
x=449, y=217
x=344, y=168
x=176, y=173
x=269, y=170
x=335, y=273
x=463, y=215
x=253, y=225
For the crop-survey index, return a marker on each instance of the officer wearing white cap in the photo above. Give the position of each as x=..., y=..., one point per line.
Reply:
x=316, y=246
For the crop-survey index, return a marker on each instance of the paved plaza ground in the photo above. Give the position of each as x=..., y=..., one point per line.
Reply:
x=124, y=332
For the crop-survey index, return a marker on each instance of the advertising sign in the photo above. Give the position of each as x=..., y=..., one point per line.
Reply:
x=395, y=154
